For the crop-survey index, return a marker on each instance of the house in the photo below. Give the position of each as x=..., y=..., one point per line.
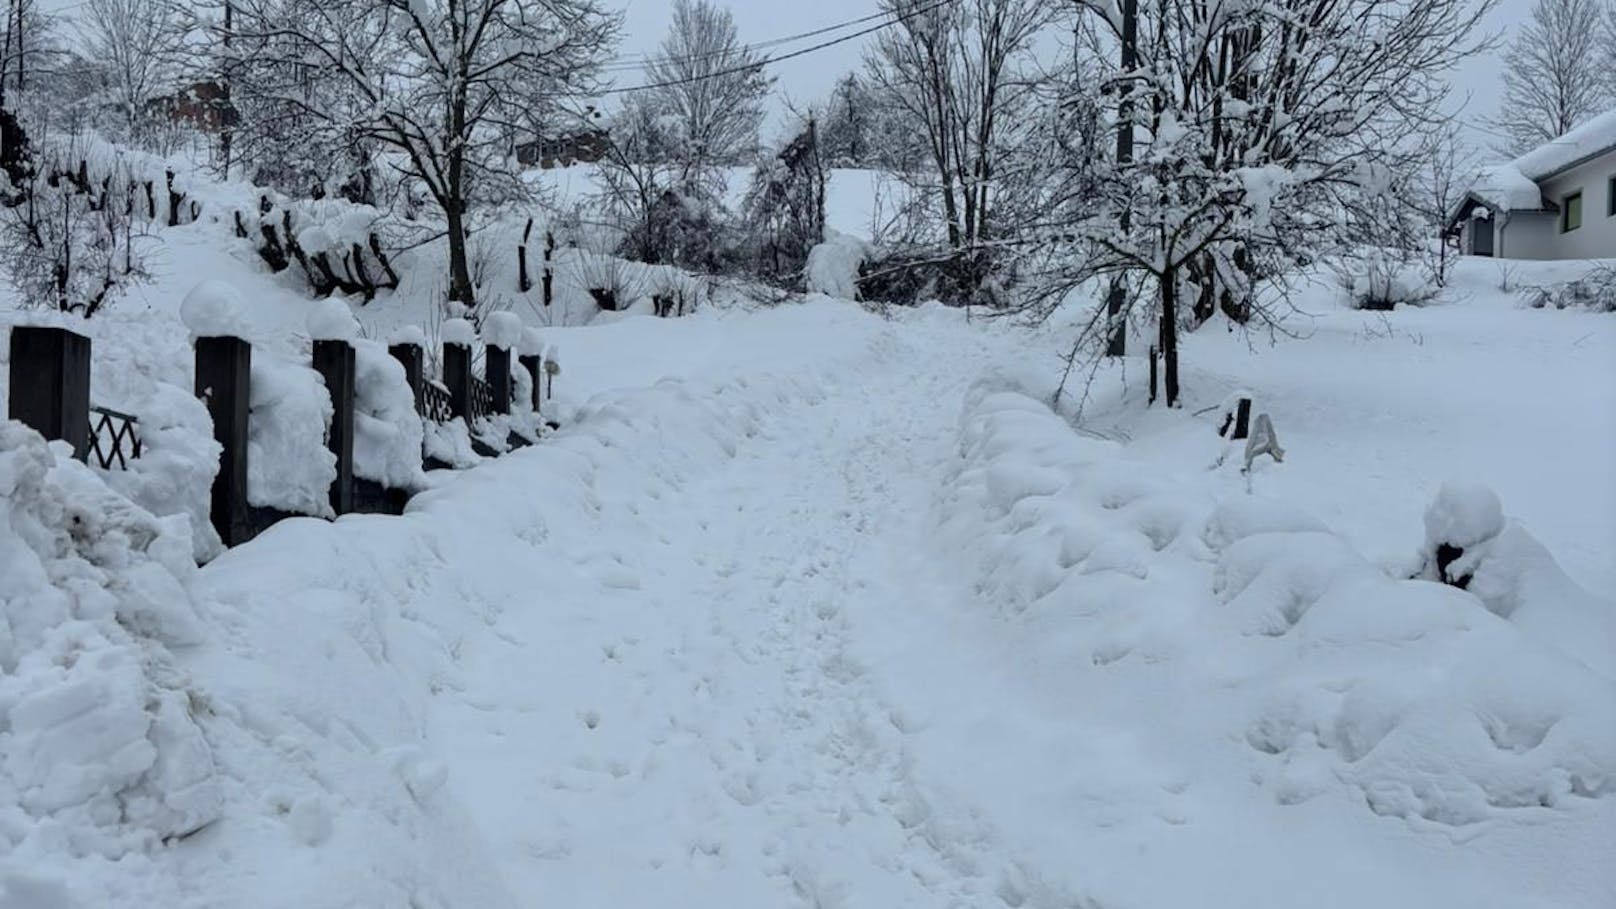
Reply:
x=1557, y=201
x=203, y=106
x=588, y=147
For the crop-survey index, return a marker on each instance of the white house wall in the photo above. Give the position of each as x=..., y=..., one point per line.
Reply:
x=1596, y=238
x=1530, y=235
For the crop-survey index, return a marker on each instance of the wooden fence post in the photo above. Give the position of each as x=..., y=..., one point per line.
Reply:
x=413, y=359
x=497, y=372
x=457, y=378
x=50, y=384
x=334, y=361
x=533, y=363
x=224, y=383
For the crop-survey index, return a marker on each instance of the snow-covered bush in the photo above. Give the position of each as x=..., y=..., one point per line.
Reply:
x=99, y=752
x=1382, y=280
x=1313, y=667
x=833, y=266
x=1595, y=291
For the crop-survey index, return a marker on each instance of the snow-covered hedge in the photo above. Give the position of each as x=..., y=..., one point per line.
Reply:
x=1312, y=664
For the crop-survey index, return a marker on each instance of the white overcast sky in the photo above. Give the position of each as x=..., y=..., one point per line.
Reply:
x=809, y=78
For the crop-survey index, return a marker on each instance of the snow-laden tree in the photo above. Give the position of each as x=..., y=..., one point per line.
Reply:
x=958, y=76
x=1267, y=132
x=1557, y=72
x=707, y=88
x=847, y=122
x=435, y=86
x=134, y=43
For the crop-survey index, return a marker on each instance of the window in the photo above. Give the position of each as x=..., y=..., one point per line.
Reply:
x=1571, y=212
x=1610, y=198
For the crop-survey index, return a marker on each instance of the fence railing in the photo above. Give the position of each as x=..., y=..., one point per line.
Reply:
x=50, y=392
x=114, y=438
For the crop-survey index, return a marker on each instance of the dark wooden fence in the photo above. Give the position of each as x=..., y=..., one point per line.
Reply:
x=50, y=392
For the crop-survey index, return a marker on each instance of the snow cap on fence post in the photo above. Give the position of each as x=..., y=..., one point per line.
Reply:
x=502, y=330
x=215, y=309
x=216, y=316
x=459, y=331
x=332, y=320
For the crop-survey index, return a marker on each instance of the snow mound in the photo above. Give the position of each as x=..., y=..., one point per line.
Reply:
x=1462, y=515
x=100, y=755
x=532, y=342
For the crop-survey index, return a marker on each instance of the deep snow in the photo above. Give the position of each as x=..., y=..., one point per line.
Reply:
x=808, y=606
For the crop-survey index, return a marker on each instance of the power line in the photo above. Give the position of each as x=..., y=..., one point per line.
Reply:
x=772, y=60
x=628, y=64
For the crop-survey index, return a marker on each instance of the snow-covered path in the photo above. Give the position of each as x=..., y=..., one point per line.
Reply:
x=747, y=754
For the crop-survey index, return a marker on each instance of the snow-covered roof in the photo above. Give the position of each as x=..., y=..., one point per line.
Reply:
x=1593, y=138
x=1514, y=186
x=1504, y=187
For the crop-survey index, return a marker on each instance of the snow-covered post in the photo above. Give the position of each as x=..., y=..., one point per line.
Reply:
x=532, y=359
x=458, y=339
x=50, y=384
x=333, y=328
x=408, y=347
x=502, y=331
x=549, y=272
x=215, y=315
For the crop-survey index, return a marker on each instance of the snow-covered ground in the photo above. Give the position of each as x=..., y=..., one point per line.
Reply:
x=811, y=606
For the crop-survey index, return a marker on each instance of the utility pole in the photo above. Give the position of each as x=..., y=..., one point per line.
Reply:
x=226, y=109
x=1117, y=299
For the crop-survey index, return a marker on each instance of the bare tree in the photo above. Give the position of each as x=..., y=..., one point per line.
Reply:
x=438, y=83
x=958, y=76
x=707, y=85
x=1556, y=73
x=134, y=42
x=1449, y=165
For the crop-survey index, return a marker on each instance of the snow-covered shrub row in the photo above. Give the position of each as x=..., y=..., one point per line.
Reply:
x=833, y=266
x=1316, y=666
x=101, y=756
x=1595, y=291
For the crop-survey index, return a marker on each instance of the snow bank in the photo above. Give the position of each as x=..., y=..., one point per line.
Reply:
x=289, y=466
x=178, y=461
x=1316, y=661
x=101, y=757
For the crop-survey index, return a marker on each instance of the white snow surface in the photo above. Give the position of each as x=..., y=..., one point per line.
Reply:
x=805, y=606
x=289, y=466
x=1597, y=135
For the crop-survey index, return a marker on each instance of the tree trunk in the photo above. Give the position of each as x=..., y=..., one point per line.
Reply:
x=1169, y=335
